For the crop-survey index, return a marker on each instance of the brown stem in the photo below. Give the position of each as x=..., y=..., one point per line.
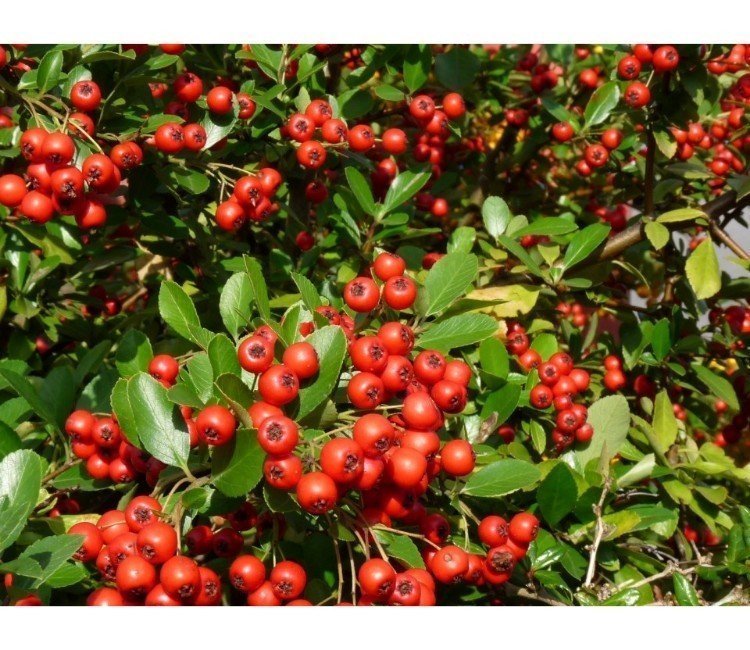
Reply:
x=598, y=534
x=635, y=234
x=720, y=234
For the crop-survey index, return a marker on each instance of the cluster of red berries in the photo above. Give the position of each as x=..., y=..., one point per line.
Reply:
x=594, y=155
x=575, y=312
x=614, y=377
x=187, y=88
x=662, y=59
x=732, y=431
x=448, y=564
x=719, y=139
x=138, y=552
x=401, y=452
x=108, y=455
x=252, y=199
x=301, y=128
x=560, y=382
x=737, y=59
x=736, y=316
x=54, y=185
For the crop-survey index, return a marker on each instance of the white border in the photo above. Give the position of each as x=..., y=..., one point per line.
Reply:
x=383, y=21
x=308, y=628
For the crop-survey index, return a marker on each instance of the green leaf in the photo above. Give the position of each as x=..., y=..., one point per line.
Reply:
x=133, y=354
x=657, y=234
x=237, y=467
x=584, y=243
x=361, y=189
x=307, y=290
x=557, y=495
x=25, y=389
x=661, y=339
x=501, y=478
x=259, y=288
x=641, y=470
x=610, y=417
x=389, y=93
x=462, y=240
x=223, y=356
x=91, y=362
x=458, y=331
x=20, y=482
x=457, y=68
x=702, y=268
x=190, y=180
x=502, y=402
x=236, y=393
x=400, y=547
x=448, y=280
x=9, y=440
x=355, y=103
x=236, y=303
x=496, y=216
x=417, y=64
x=50, y=554
x=684, y=592
x=403, y=188
x=549, y=226
x=603, y=100
x=77, y=478
x=178, y=311
x=558, y=111
x=719, y=386
x=58, y=392
x=545, y=344
x=683, y=214
x=146, y=414
x=330, y=344
x=48, y=72
x=519, y=252
x=494, y=358
x=664, y=422
x=67, y=575
x=665, y=143
x=200, y=376
x=218, y=127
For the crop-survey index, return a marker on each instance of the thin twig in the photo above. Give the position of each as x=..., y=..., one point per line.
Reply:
x=720, y=234
x=598, y=533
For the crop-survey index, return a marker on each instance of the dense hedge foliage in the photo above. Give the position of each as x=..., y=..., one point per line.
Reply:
x=373, y=324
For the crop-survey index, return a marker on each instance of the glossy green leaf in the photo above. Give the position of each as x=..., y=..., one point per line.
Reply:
x=330, y=344
x=702, y=269
x=237, y=467
x=584, y=243
x=146, y=415
x=178, y=311
x=402, y=189
x=603, y=101
x=496, y=216
x=133, y=354
x=457, y=331
x=236, y=303
x=501, y=478
x=557, y=494
x=20, y=481
x=448, y=280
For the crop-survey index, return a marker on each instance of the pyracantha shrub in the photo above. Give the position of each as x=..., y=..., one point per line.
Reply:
x=374, y=325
